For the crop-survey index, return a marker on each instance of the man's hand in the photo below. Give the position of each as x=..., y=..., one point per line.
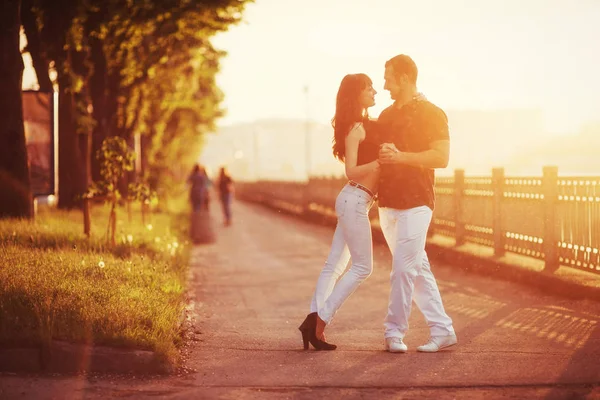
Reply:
x=435, y=157
x=389, y=146
x=389, y=154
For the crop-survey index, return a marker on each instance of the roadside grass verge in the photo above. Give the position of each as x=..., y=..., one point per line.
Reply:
x=57, y=284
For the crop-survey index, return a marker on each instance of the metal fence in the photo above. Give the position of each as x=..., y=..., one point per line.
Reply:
x=551, y=218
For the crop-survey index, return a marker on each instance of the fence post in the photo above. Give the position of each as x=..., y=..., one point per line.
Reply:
x=498, y=187
x=431, y=229
x=550, y=190
x=257, y=192
x=306, y=195
x=459, y=187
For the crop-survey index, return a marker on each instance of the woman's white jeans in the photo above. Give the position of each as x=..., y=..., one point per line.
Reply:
x=411, y=278
x=352, y=240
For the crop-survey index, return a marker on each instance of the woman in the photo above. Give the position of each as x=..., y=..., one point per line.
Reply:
x=355, y=145
x=201, y=230
x=198, y=182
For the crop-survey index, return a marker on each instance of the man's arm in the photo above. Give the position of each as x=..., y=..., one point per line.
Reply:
x=436, y=157
x=435, y=127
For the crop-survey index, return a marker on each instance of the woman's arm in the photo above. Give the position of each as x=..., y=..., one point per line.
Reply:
x=353, y=171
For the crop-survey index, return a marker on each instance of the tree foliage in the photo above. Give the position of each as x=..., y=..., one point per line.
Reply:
x=131, y=68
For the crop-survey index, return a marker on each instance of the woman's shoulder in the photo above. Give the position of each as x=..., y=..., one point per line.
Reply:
x=358, y=126
x=357, y=130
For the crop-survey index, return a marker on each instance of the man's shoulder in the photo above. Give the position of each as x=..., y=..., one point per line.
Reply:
x=388, y=108
x=386, y=112
x=428, y=110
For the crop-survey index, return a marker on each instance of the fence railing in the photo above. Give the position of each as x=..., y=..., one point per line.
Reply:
x=551, y=218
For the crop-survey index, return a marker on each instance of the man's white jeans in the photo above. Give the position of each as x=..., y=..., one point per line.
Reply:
x=352, y=239
x=411, y=278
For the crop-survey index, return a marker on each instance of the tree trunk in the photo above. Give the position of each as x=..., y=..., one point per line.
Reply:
x=71, y=174
x=144, y=144
x=98, y=94
x=34, y=46
x=112, y=102
x=15, y=190
x=98, y=89
x=85, y=150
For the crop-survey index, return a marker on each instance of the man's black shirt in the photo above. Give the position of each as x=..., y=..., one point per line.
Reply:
x=412, y=129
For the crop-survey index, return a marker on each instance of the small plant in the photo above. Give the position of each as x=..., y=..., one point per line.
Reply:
x=115, y=159
x=141, y=191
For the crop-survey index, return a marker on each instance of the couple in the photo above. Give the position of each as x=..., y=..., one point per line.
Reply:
x=394, y=157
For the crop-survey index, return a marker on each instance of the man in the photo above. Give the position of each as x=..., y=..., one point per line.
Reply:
x=416, y=141
x=226, y=194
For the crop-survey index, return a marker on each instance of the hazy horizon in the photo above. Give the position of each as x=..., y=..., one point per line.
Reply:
x=471, y=54
x=275, y=148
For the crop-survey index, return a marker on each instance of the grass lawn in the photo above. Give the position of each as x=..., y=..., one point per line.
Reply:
x=57, y=284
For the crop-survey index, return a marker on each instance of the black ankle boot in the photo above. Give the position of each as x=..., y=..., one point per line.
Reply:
x=308, y=329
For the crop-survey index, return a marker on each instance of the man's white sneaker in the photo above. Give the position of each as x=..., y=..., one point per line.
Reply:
x=395, y=345
x=437, y=343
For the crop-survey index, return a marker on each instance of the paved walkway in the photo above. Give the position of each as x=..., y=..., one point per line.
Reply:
x=252, y=291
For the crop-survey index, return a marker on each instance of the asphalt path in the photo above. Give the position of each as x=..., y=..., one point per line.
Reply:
x=252, y=288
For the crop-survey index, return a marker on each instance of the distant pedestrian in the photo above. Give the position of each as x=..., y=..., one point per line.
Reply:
x=225, y=194
x=201, y=228
x=198, y=183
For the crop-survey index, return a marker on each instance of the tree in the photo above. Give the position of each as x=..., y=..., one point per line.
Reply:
x=173, y=76
x=115, y=159
x=154, y=47
x=15, y=190
x=58, y=39
x=130, y=69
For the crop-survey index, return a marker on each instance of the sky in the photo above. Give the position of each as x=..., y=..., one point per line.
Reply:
x=514, y=59
x=471, y=54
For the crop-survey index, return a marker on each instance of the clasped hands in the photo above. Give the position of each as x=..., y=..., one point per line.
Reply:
x=389, y=154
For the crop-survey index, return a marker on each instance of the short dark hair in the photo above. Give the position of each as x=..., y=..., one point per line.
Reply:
x=404, y=65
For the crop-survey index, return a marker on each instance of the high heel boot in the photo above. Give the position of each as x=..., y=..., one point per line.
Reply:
x=308, y=329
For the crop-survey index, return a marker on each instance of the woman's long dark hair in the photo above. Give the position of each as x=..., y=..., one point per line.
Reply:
x=348, y=110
